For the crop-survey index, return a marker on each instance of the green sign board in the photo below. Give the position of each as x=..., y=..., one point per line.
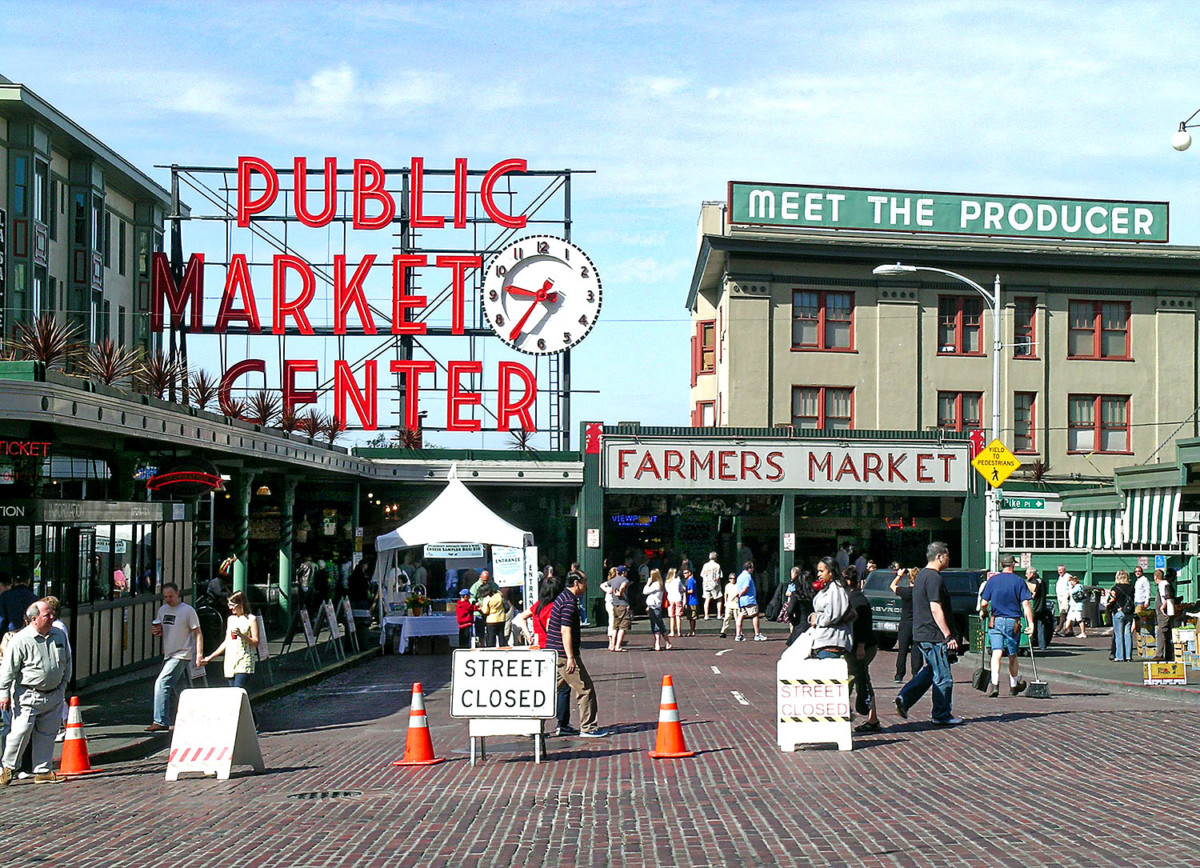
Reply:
x=946, y=213
x=1022, y=503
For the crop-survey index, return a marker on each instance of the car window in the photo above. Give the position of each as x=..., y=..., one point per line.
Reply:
x=879, y=580
x=962, y=583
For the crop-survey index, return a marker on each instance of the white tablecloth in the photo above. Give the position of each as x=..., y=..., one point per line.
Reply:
x=412, y=626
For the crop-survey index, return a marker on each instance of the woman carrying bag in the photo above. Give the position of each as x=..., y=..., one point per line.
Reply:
x=832, y=616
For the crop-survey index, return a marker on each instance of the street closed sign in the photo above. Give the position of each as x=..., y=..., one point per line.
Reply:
x=995, y=463
x=503, y=683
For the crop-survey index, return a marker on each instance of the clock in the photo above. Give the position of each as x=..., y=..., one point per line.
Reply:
x=541, y=294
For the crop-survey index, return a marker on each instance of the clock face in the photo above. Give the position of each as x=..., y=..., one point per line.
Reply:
x=541, y=294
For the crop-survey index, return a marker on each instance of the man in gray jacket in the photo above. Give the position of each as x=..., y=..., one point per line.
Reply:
x=33, y=680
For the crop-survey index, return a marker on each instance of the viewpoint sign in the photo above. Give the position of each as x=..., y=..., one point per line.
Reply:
x=860, y=208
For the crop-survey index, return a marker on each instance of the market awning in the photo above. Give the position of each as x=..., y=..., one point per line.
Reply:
x=1097, y=529
x=1152, y=516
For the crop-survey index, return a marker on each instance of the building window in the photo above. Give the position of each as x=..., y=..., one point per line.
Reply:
x=705, y=414
x=960, y=411
x=823, y=407
x=122, y=253
x=121, y=325
x=1024, y=333
x=107, y=239
x=960, y=325
x=1032, y=534
x=80, y=221
x=1023, y=422
x=41, y=176
x=54, y=209
x=1098, y=330
x=706, y=347
x=20, y=186
x=822, y=320
x=1098, y=423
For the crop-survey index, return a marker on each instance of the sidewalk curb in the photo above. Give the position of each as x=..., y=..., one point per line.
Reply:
x=1157, y=690
x=148, y=744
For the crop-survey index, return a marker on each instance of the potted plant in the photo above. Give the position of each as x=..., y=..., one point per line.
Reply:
x=415, y=603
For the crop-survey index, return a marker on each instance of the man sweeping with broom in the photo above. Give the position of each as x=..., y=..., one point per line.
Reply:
x=1004, y=598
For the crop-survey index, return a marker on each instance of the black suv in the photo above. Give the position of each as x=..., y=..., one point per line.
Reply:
x=885, y=606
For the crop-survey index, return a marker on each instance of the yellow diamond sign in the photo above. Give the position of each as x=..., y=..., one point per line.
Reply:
x=995, y=463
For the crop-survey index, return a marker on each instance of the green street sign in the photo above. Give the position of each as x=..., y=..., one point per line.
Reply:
x=1022, y=503
x=946, y=213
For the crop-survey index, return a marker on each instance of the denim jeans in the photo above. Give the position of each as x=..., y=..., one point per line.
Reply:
x=240, y=679
x=935, y=673
x=1123, y=636
x=168, y=687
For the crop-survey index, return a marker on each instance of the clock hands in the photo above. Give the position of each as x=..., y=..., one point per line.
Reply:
x=542, y=295
x=523, y=293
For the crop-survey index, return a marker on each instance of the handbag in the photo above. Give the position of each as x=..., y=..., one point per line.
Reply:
x=981, y=678
x=805, y=643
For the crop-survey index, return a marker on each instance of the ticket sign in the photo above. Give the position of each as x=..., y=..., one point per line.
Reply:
x=214, y=731
x=1164, y=673
x=995, y=463
x=503, y=683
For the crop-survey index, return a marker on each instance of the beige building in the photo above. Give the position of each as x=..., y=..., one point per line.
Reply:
x=1098, y=371
x=77, y=225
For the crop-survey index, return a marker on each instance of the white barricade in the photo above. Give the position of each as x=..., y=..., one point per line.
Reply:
x=504, y=691
x=214, y=731
x=813, y=701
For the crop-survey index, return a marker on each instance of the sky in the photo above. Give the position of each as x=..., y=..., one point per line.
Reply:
x=662, y=103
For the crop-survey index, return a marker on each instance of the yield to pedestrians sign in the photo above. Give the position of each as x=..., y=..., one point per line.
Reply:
x=995, y=463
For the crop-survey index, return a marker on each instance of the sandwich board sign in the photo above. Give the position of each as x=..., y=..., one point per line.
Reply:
x=214, y=731
x=503, y=692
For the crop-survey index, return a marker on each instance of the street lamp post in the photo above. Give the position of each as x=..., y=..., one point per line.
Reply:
x=993, y=300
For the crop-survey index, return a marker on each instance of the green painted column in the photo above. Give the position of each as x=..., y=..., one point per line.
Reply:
x=287, y=526
x=787, y=524
x=589, y=508
x=241, y=531
x=973, y=546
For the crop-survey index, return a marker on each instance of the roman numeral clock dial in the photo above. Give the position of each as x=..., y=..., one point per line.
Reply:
x=541, y=294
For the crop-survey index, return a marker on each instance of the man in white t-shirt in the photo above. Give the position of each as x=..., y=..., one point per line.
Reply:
x=183, y=643
x=710, y=577
x=1062, y=592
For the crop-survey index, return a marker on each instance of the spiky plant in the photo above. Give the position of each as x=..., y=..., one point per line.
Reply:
x=262, y=408
x=234, y=408
x=332, y=427
x=410, y=438
x=109, y=362
x=159, y=372
x=288, y=422
x=204, y=389
x=521, y=439
x=310, y=424
x=49, y=341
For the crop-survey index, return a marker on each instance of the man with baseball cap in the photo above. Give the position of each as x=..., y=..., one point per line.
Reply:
x=1003, y=600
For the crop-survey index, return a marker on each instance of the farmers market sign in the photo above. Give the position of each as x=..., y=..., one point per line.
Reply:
x=946, y=213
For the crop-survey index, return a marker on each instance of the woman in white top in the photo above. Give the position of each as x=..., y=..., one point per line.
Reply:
x=240, y=644
x=608, y=598
x=653, y=592
x=674, y=588
x=832, y=615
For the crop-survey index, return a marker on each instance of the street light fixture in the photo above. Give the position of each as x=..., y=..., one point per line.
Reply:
x=1182, y=140
x=993, y=300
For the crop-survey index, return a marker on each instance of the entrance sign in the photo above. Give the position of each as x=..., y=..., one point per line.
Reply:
x=747, y=464
x=495, y=683
x=859, y=208
x=454, y=551
x=214, y=731
x=995, y=463
x=508, y=566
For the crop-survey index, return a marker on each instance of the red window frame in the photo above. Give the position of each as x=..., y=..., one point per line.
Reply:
x=959, y=422
x=953, y=313
x=1025, y=327
x=822, y=318
x=698, y=414
x=1097, y=328
x=707, y=333
x=824, y=393
x=1096, y=424
x=1026, y=442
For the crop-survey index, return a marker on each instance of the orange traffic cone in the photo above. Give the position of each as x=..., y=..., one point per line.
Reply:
x=75, y=759
x=418, y=749
x=669, y=743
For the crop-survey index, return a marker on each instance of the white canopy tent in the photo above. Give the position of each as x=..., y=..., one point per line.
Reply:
x=454, y=516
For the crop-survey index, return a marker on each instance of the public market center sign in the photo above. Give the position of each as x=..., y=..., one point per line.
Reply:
x=859, y=208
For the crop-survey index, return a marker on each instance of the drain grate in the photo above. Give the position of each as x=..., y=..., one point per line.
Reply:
x=327, y=794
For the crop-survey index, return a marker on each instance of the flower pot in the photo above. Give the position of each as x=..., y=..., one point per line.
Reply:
x=417, y=610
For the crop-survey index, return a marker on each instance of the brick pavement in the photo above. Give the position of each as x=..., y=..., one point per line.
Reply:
x=1026, y=782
